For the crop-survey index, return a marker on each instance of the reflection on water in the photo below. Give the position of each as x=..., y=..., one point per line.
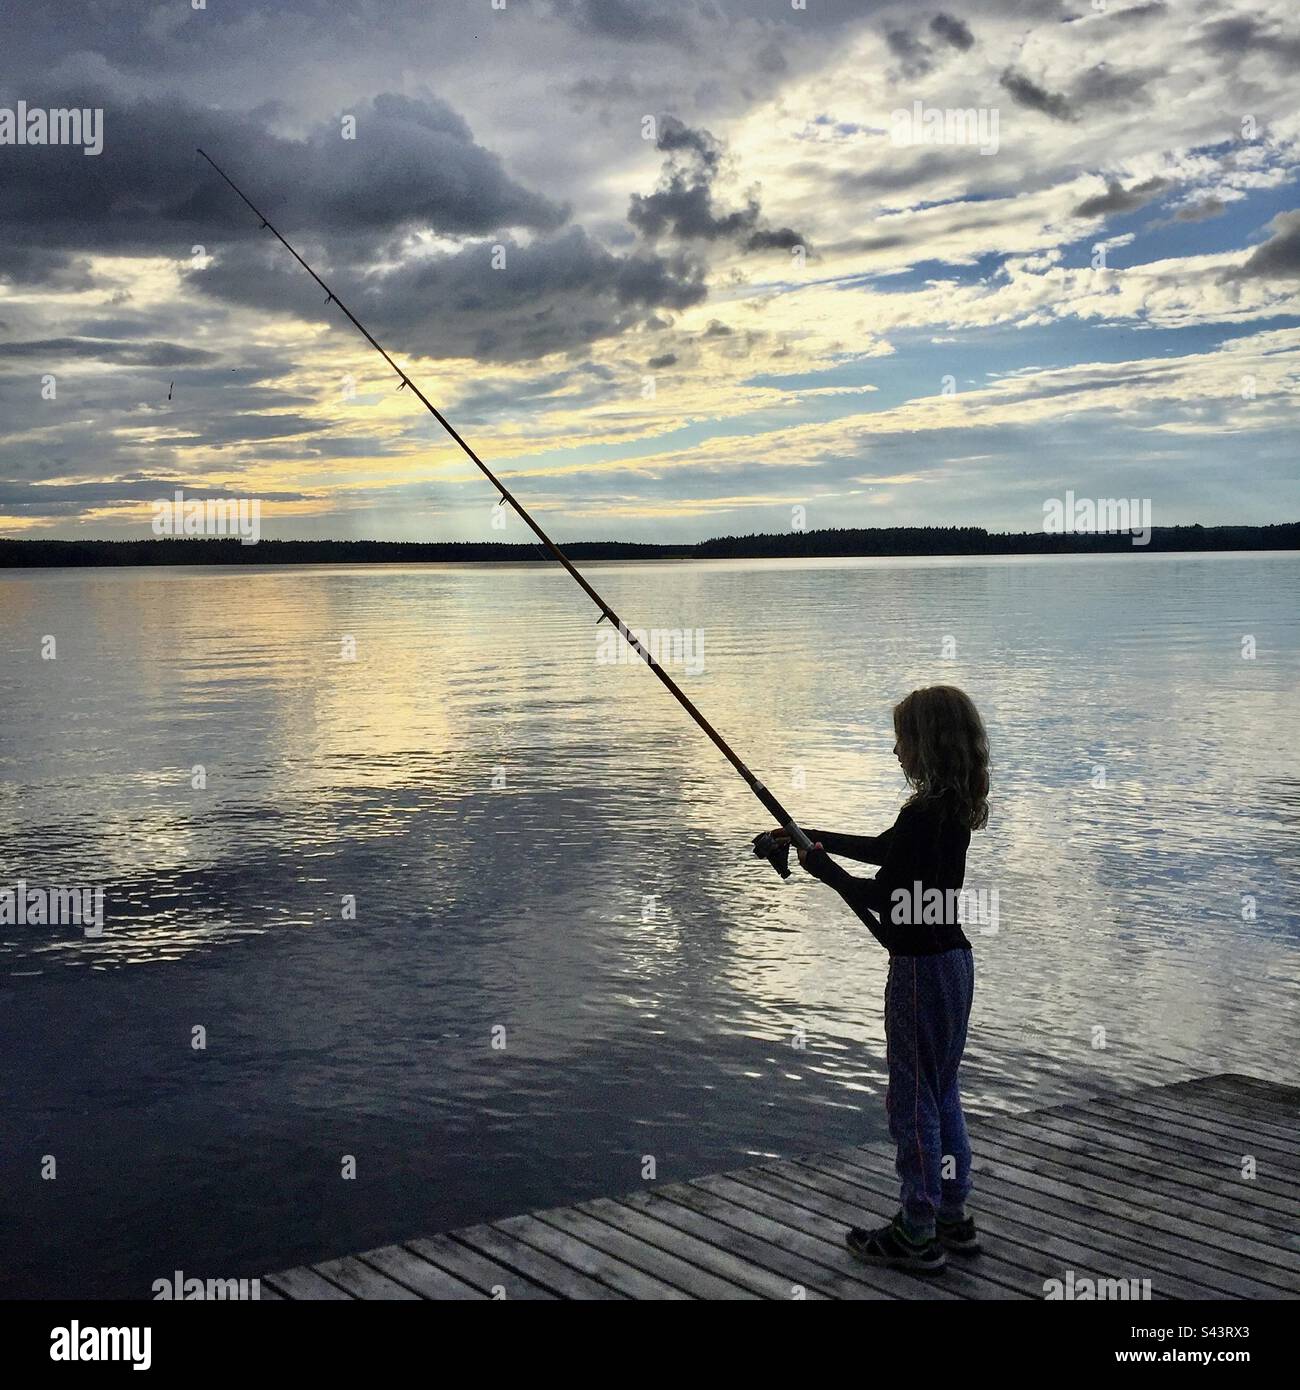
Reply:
x=540, y=842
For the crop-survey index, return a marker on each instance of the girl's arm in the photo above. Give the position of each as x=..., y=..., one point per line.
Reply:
x=863, y=895
x=867, y=849
x=872, y=898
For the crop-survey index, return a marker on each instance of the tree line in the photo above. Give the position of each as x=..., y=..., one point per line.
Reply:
x=831, y=542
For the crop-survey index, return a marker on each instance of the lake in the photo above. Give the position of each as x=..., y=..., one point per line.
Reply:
x=476, y=909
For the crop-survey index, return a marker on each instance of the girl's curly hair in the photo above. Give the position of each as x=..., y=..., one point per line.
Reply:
x=944, y=749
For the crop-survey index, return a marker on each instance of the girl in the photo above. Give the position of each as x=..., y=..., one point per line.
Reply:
x=943, y=749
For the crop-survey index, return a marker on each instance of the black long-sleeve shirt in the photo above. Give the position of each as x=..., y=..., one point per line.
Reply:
x=924, y=850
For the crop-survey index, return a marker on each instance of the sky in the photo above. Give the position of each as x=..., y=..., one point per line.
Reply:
x=676, y=270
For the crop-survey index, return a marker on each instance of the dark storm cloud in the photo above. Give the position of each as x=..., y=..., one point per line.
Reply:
x=1025, y=92
x=1241, y=34
x=1279, y=257
x=555, y=294
x=915, y=58
x=683, y=207
x=665, y=359
x=1117, y=198
x=38, y=265
x=413, y=164
x=773, y=239
x=675, y=134
x=952, y=30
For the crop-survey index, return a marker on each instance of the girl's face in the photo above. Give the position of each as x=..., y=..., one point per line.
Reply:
x=905, y=756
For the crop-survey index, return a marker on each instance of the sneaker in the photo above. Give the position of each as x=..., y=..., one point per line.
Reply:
x=960, y=1237
x=892, y=1248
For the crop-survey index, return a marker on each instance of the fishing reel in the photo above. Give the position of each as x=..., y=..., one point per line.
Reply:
x=776, y=852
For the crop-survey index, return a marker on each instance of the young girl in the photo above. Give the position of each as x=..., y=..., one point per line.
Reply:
x=943, y=749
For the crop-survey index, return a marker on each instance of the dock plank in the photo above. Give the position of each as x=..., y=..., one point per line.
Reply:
x=820, y=1264
x=1193, y=1172
x=302, y=1285
x=813, y=1196
x=1145, y=1183
x=1161, y=1230
x=546, y=1273
x=588, y=1259
x=640, y=1254
x=471, y=1266
x=719, y=1260
x=827, y=1231
x=362, y=1281
x=418, y=1275
x=1230, y=1140
x=762, y=1256
x=1206, y=1112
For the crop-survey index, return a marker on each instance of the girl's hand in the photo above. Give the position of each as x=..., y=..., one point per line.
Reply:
x=803, y=854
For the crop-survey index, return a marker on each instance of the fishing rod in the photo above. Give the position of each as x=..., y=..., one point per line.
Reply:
x=766, y=846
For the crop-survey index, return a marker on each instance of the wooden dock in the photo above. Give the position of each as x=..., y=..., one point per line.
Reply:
x=1146, y=1185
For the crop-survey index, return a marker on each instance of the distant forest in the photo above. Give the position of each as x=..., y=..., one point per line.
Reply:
x=887, y=540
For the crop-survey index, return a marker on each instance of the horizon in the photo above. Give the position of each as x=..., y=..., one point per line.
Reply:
x=800, y=544
x=674, y=273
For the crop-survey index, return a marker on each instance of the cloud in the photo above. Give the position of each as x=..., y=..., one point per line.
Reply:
x=1117, y=199
x=414, y=164
x=683, y=207
x=893, y=174
x=953, y=31
x=1279, y=257
x=1103, y=84
x=1202, y=211
x=1240, y=34
x=137, y=354
x=915, y=58
x=1026, y=92
x=553, y=294
x=675, y=134
x=1140, y=14
x=626, y=21
x=71, y=499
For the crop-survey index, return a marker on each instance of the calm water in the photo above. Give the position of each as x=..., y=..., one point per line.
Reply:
x=540, y=842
